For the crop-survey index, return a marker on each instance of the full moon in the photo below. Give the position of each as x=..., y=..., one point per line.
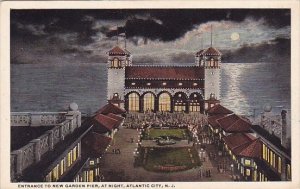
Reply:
x=235, y=36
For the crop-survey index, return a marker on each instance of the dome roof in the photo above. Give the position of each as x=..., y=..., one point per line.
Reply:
x=73, y=106
x=118, y=51
x=211, y=51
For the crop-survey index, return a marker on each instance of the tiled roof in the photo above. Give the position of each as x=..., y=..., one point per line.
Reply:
x=118, y=51
x=239, y=126
x=116, y=117
x=213, y=120
x=227, y=121
x=211, y=51
x=233, y=123
x=158, y=83
x=105, y=121
x=252, y=149
x=235, y=140
x=164, y=72
x=111, y=108
x=95, y=144
x=218, y=109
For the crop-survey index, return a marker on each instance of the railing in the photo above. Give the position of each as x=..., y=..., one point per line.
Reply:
x=32, y=152
x=37, y=118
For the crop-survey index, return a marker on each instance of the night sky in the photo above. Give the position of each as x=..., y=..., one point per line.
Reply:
x=161, y=35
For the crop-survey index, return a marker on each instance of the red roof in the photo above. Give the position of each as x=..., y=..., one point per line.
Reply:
x=218, y=109
x=164, y=72
x=111, y=108
x=211, y=51
x=240, y=125
x=213, y=120
x=233, y=123
x=236, y=140
x=118, y=51
x=95, y=144
x=251, y=149
x=105, y=121
x=116, y=117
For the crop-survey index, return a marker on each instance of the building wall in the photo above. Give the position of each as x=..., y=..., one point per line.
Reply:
x=212, y=82
x=116, y=82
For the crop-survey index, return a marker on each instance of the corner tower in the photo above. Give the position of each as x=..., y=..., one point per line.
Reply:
x=212, y=65
x=118, y=59
x=210, y=60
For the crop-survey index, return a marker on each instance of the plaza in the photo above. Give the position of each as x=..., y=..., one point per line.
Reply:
x=122, y=167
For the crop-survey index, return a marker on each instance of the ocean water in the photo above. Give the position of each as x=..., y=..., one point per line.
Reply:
x=245, y=87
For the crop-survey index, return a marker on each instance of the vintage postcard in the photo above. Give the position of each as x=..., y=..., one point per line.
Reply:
x=149, y=94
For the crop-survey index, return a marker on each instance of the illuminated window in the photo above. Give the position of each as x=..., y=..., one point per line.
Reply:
x=91, y=176
x=115, y=63
x=288, y=171
x=211, y=62
x=62, y=166
x=248, y=172
x=164, y=83
x=279, y=165
x=148, y=84
x=180, y=84
x=78, y=146
x=92, y=163
x=194, y=103
x=48, y=177
x=247, y=162
x=132, y=83
x=74, y=153
x=134, y=101
x=180, y=103
x=148, y=102
x=271, y=157
x=69, y=160
x=255, y=176
x=264, y=151
x=55, y=174
x=164, y=102
x=195, y=84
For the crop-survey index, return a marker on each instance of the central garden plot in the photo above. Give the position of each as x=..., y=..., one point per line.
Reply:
x=167, y=150
x=154, y=133
x=170, y=159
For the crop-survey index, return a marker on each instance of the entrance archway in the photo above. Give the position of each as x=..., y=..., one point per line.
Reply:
x=164, y=102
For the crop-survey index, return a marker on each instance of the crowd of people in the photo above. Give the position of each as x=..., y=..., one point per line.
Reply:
x=164, y=119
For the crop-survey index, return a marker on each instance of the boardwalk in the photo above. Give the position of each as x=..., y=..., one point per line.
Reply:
x=119, y=167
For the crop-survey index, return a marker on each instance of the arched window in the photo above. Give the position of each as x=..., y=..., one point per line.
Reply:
x=115, y=63
x=134, y=100
x=164, y=102
x=212, y=62
x=180, y=102
x=195, y=102
x=148, y=101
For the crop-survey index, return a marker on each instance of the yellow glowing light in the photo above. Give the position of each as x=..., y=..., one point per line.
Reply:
x=235, y=36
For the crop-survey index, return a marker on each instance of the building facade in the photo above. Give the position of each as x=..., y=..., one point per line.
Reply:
x=144, y=88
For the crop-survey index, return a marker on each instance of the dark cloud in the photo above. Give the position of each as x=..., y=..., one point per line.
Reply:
x=174, y=24
x=277, y=50
x=37, y=36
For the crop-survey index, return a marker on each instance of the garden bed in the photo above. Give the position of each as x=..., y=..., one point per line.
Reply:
x=170, y=159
